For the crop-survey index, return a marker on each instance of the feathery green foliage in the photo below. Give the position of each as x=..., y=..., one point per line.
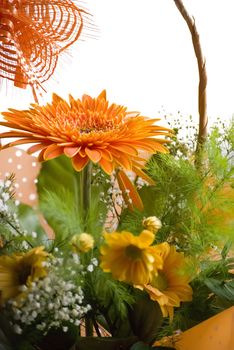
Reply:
x=196, y=209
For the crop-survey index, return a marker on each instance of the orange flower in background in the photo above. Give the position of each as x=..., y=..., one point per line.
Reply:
x=87, y=129
x=170, y=285
x=32, y=35
x=218, y=211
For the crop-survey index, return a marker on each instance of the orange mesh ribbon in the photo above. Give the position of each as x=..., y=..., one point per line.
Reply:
x=32, y=35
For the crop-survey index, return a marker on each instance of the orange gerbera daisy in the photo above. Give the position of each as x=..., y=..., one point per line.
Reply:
x=87, y=129
x=170, y=285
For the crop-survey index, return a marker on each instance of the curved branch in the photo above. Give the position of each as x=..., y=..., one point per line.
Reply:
x=202, y=96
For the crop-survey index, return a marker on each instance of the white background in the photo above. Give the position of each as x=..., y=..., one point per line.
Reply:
x=143, y=56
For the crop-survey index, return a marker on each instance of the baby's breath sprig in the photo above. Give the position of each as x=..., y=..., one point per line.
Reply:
x=51, y=302
x=7, y=216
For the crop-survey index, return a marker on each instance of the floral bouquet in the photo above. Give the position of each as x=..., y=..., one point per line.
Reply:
x=137, y=250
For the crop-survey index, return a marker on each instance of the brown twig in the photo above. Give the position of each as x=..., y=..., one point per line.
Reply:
x=202, y=97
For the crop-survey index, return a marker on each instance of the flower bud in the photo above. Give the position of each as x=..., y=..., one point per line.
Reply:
x=82, y=243
x=152, y=223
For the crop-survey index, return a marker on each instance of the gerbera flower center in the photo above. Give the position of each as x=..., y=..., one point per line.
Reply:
x=160, y=281
x=133, y=252
x=24, y=273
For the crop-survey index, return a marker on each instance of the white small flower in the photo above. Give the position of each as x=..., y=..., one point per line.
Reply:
x=7, y=184
x=34, y=234
x=50, y=306
x=23, y=288
x=5, y=196
x=76, y=258
x=17, y=329
x=25, y=245
x=90, y=268
x=94, y=261
x=75, y=313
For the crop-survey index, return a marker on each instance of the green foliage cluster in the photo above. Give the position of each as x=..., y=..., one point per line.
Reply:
x=57, y=187
x=195, y=206
x=213, y=292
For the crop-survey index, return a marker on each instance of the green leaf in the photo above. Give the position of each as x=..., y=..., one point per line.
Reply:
x=108, y=294
x=57, y=188
x=4, y=344
x=6, y=333
x=54, y=174
x=60, y=213
x=145, y=318
x=222, y=289
x=29, y=220
x=226, y=249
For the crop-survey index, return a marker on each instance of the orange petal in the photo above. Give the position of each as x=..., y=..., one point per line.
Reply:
x=108, y=167
x=93, y=154
x=82, y=153
x=52, y=152
x=126, y=184
x=56, y=98
x=143, y=175
x=124, y=162
x=145, y=146
x=114, y=152
x=72, y=101
x=71, y=151
x=41, y=156
x=106, y=155
x=19, y=142
x=125, y=149
x=102, y=95
x=37, y=147
x=161, y=148
x=14, y=134
x=79, y=162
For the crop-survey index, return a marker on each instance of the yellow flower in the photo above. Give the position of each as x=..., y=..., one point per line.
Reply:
x=170, y=285
x=20, y=269
x=82, y=242
x=152, y=223
x=130, y=258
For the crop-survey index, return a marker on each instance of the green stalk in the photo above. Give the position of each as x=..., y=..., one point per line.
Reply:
x=87, y=175
x=88, y=327
x=82, y=187
x=77, y=193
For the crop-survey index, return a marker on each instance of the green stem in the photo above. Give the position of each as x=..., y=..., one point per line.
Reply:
x=87, y=193
x=82, y=186
x=20, y=233
x=77, y=193
x=88, y=327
